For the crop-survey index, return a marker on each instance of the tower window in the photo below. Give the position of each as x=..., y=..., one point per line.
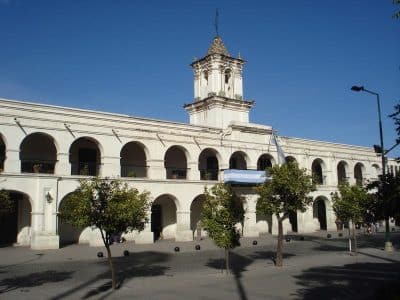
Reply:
x=227, y=76
x=206, y=76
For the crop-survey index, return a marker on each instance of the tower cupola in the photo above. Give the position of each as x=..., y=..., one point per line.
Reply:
x=218, y=89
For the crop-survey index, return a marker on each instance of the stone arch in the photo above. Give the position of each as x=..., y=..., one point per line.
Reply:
x=15, y=226
x=320, y=205
x=317, y=171
x=265, y=161
x=134, y=156
x=238, y=160
x=2, y=152
x=85, y=156
x=342, y=170
x=359, y=172
x=293, y=221
x=175, y=162
x=68, y=233
x=38, y=153
x=290, y=159
x=163, y=217
x=209, y=161
x=196, y=208
x=376, y=171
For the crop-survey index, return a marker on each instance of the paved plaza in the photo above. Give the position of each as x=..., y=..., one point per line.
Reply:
x=314, y=268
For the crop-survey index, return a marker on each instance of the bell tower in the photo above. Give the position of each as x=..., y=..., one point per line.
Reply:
x=218, y=89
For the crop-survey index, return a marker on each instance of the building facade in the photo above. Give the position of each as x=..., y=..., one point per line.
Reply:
x=45, y=150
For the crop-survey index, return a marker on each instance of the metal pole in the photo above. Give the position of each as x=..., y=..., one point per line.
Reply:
x=388, y=243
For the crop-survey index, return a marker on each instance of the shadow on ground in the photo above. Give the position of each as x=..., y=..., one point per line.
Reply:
x=352, y=281
x=32, y=280
x=139, y=264
x=239, y=264
x=337, y=243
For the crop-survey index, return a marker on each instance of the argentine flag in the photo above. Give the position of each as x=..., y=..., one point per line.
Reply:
x=281, y=154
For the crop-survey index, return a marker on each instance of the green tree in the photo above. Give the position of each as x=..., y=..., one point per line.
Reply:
x=385, y=197
x=351, y=203
x=222, y=209
x=108, y=205
x=6, y=205
x=286, y=193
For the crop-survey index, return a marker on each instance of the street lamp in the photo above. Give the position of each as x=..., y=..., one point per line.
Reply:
x=388, y=243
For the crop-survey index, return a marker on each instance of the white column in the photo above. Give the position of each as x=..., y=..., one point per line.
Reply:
x=146, y=236
x=110, y=166
x=12, y=163
x=250, y=220
x=156, y=169
x=193, y=171
x=63, y=167
x=305, y=221
x=183, y=232
x=44, y=234
x=330, y=217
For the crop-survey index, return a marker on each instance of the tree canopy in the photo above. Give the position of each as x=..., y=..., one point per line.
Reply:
x=287, y=192
x=385, y=196
x=352, y=202
x=222, y=210
x=108, y=205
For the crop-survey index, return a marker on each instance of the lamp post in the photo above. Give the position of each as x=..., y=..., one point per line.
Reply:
x=388, y=243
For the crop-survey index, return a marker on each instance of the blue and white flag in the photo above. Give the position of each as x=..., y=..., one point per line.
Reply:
x=281, y=154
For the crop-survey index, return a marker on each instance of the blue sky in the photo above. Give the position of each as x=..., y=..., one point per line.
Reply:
x=133, y=57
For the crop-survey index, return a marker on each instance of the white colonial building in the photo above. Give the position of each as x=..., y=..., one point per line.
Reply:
x=45, y=150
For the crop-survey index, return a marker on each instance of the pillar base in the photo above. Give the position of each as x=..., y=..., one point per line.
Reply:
x=145, y=237
x=45, y=241
x=184, y=236
x=250, y=231
x=388, y=247
x=96, y=242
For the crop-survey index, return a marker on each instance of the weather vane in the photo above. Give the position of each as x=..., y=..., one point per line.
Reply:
x=216, y=22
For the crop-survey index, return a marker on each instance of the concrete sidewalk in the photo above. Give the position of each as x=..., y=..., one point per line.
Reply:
x=316, y=268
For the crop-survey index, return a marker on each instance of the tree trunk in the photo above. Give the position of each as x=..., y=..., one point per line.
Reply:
x=349, y=237
x=114, y=285
x=279, y=249
x=227, y=260
x=106, y=241
x=355, y=238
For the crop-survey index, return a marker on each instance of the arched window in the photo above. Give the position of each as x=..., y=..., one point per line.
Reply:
x=290, y=159
x=227, y=76
x=264, y=162
x=175, y=163
x=133, y=160
x=38, y=154
x=341, y=172
x=85, y=157
x=358, y=173
x=316, y=170
x=238, y=161
x=208, y=164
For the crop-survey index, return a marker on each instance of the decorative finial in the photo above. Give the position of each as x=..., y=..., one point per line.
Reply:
x=216, y=22
x=239, y=56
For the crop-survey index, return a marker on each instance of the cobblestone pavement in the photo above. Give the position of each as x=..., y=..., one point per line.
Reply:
x=314, y=268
